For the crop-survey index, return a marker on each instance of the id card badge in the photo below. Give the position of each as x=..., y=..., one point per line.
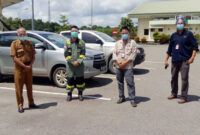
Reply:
x=123, y=55
x=177, y=46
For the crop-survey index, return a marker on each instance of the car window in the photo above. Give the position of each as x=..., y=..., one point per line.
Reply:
x=89, y=38
x=7, y=39
x=67, y=34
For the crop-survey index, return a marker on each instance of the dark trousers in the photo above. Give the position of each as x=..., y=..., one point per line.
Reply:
x=183, y=68
x=128, y=75
x=77, y=82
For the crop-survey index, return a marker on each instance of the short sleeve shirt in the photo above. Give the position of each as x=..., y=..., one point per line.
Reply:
x=23, y=51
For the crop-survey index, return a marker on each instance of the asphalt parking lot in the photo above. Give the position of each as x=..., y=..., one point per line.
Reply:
x=99, y=114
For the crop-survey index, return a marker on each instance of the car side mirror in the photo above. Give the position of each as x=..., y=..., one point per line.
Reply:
x=98, y=41
x=40, y=46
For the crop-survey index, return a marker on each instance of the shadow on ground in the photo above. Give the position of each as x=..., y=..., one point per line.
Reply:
x=193, y=98
x=139, y=99
x=139, y=71
x=97, y=82
x=44, y=105
x=89, y=97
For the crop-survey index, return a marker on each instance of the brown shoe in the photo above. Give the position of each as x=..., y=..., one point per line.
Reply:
x=172, y=97
x=182, y=101
x=133, y=104
x=121, y=100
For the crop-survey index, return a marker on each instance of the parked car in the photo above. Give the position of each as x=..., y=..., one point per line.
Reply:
x=50, y=61
x=103, y=42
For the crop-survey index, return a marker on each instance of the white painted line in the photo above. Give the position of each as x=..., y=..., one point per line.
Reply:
x=61, y=94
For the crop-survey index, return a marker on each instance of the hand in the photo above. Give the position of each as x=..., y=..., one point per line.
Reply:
x=75, y=64
x=191, y=60
x=166, y=63
x=27, y=68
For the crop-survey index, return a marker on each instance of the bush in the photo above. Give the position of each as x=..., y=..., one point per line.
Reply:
x=137, y=39
x=144, y=40
x=161, y=38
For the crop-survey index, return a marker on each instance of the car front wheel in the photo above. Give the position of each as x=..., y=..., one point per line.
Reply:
x=59, y=77
x=112, y=66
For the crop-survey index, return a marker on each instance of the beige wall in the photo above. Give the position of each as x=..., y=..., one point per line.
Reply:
x=167, y=29
x=143, y=23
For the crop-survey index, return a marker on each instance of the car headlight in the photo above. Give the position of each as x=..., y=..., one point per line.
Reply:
x=89, y=58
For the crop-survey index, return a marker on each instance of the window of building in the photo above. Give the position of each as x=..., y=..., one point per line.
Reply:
x=160, y=30
x=146, y=31
x=152, y=30
x=89, y=38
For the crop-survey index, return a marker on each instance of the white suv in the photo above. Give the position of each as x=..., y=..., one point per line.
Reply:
x=103, y=42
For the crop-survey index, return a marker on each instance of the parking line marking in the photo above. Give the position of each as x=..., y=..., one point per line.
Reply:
x=61, y=94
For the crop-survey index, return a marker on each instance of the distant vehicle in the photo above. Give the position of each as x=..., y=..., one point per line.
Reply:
x=50, y=61
x=103, y=42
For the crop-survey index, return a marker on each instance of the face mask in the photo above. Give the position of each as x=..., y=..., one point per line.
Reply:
x=124, y=36
x=74, y=34
x=22, y=38
x=180, y=26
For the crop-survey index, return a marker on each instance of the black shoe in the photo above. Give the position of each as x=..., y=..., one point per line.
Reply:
x=20, y=109
x=133, y=104
x=33, y=106
x=121, y=100
x=69, y=97
x=80, y=96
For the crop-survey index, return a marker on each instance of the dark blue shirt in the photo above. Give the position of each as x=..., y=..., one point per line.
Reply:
x=181, y=46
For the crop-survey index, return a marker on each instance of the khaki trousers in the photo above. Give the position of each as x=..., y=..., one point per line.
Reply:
x=22, y=78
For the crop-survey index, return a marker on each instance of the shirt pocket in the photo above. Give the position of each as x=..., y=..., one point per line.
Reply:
x=69, y=50
x=20, y=52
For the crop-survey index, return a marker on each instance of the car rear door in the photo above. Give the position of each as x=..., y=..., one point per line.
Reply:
x=91, y=41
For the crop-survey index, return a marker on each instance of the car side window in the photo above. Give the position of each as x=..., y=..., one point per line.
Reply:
x=67, y=34
x=7, y=39
x=89, y=38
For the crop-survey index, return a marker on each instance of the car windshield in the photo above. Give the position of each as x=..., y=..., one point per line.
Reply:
x=105, y=37
x=56, y=39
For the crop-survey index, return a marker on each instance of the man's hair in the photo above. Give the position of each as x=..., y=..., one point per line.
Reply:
x=21, y=28
x=124, y=28
x=180, y=17
x=74, y=26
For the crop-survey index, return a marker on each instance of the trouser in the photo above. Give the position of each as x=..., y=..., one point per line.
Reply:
x=22, y=78
x=128, y=75
x=183, y=68
x=73, y=82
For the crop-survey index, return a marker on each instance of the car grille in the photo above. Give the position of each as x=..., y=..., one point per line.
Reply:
x=99, y=61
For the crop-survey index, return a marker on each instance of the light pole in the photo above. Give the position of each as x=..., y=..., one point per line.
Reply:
x=91, y=13
x=32, y=14
x=49, y=10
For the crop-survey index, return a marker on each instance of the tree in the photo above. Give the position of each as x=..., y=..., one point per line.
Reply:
x=63, y=20
x=125, y=21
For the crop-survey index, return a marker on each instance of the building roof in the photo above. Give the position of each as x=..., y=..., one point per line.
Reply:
x=6, y=3
x=166, y=9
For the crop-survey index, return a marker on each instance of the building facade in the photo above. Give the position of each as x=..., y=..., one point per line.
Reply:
x=3, y=4
x=161, y=17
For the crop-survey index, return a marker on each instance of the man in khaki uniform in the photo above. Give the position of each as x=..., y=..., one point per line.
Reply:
x=124, y=54
x=23, y=55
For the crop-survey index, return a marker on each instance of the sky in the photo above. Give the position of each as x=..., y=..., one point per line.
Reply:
x=78, y=12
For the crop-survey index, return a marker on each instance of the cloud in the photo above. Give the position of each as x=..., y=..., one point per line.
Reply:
x=105, y=12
